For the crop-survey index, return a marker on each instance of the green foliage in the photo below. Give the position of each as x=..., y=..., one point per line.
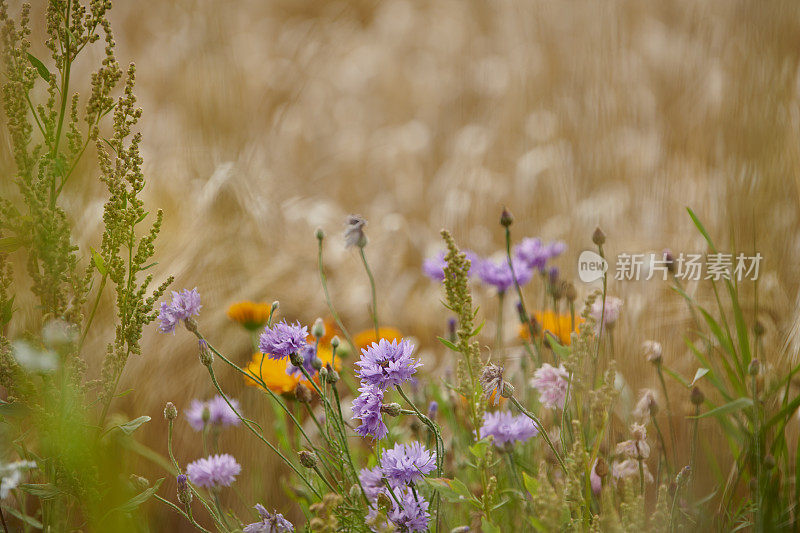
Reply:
x=53, y=416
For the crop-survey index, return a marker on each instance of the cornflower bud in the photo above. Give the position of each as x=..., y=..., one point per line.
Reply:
x=205, y=355
x=506, y=219
x=184, y=492
x=570, y=292
x=335, y=342
x=318, y=329
x=141, y=483
x=754, y=367
x=697, y=397
x=316, y=363
x=598, y=237
x=319, y=234
x=307, y=459
x=391, y=409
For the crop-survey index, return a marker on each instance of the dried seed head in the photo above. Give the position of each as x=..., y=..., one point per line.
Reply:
x=354, y=231
x=601, y=467
x=170, y=411
x=754, y=367
x=653, y=352
x=570, y=292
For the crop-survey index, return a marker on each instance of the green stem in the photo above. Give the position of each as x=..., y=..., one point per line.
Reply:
x=182, y=513
x=328, y=300
x=498, y=343
x=94, y=310
x=542, y=432
x=673, y=435
x=432, y=426
x=374, y=293
x=523, y=310
x=249, y=426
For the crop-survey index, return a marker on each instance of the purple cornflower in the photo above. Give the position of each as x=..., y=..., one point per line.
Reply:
x=412, y=513
x=283, y=339
x=433, y=267
x=386, y=364
x=498, y=274
x=406, y=463
x=372, y=481
x=552, y=383
x=270, y=522
x=219, y=413
x=607, y=316
x=535, y=254
x=367, y=408
x=184, y=305
x=507, y=428
x=213, y=471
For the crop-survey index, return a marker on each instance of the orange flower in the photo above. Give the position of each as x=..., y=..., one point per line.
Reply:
x=272, y=372
x=253, y=316
x=558, y=325
x=367, y=337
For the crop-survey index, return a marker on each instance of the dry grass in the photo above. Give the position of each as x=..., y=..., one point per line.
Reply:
x=264, y=120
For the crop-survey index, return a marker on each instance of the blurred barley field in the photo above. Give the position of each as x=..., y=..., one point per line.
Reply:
x=265, y=120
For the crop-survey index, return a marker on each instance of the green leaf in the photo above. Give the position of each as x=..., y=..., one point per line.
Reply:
x=453, y=490
x=488, y=527
x=139, y=499
x=31, y=521
x=531, y=484
x=43, y=72
x=448, y=344
x=477, y=330
x=9, y=244
x=698, y=375
x=133, y=425
x=98, y=261
x=44, y=491
x=480, y=448
x=730, y=407
x=561, y=351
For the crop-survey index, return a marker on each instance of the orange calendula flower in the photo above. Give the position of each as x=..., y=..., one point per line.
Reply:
x=367, y=337
x=272, y=372
x=251, y=315
x=559, y=325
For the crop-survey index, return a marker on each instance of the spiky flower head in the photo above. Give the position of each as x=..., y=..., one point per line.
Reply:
x=184, y=305
x=407, y=463
x=283, y=339
x=386, y=364
x=433, y=267
x=606, y=316
x=498, y=273
x=367, y=408
x=552, y=384
x=507, y=428
x=270, y=522
x=213, y=471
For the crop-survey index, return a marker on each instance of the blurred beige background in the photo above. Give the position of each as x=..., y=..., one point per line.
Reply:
x=264, y=120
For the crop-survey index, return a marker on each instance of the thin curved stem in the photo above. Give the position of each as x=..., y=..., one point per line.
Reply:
x=542, y=432
x=374, y=292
